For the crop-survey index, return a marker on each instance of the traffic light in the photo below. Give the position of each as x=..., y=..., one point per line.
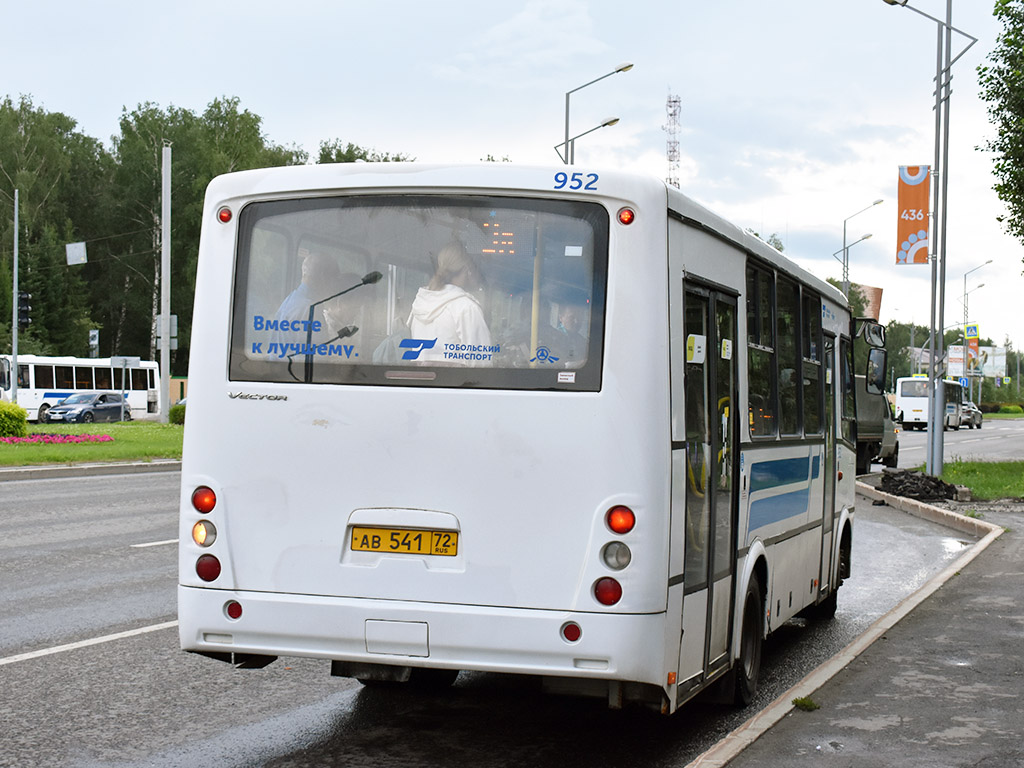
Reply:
x=24, y=308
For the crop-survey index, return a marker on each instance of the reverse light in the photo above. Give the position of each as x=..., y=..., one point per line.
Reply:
x=616, y=555
x=204, y=533
x=626, y=216
x=224, y=215
x=607, y=591
x=204, y=499
x=620, y=519
x=208, y=567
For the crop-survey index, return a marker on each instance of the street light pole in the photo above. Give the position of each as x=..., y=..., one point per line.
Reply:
x=571, y=156
x=565, y=155
x=944, y=62
x=846, y=261
x=845, y=250
x=966, y=356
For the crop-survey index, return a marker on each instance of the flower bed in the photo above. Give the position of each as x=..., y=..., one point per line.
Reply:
x=37, y=438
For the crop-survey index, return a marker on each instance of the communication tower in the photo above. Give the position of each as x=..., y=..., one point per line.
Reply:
x=672, y=107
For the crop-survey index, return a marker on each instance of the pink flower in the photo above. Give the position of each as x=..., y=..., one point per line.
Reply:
x=43, y=438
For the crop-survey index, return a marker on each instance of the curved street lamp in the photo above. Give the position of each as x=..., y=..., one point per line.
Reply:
x=846, y=248
x=565, y=154
x=571, y=143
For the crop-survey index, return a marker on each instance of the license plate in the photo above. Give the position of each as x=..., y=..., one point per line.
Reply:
x=56, y=417
x=406, y=541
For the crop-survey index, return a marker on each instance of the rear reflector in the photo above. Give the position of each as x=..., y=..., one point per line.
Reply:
x=208, y=567
x=607, y=591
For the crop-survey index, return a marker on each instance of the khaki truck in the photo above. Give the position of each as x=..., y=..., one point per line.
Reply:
x=877, y=430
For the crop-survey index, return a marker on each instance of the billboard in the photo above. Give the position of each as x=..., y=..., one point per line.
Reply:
x=990, y=362
x=912, y=225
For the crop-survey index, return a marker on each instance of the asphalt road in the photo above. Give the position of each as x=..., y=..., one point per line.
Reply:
x=997, y=440
x=91, y=673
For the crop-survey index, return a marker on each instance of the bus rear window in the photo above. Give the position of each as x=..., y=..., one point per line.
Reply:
x=417, y=290
x=914, y=388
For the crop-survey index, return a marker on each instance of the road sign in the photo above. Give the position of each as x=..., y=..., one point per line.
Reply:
x=963, y=381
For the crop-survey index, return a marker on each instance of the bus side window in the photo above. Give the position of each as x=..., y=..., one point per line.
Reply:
x=5, y=373
x=762, y=376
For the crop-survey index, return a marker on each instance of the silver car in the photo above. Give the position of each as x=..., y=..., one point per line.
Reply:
x=971, y=415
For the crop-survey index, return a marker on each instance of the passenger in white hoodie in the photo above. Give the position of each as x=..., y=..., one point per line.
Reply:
x=447, y=310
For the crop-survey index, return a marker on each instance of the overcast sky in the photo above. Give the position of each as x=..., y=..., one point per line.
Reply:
x=796, y=114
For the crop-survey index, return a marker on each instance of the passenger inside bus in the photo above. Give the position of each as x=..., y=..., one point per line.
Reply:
x=564, y=339
x=448, y=310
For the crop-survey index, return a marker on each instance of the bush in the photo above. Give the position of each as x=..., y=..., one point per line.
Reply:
x=177, y=414
x=1011, y=409
x=13, y=420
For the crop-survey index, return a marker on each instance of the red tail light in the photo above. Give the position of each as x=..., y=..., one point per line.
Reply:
x=607, y=591
x=621, y=519
x=233, y=609
x=204, y=499
x=208, y=567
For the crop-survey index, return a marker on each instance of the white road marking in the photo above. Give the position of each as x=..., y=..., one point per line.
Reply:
x=155, y=543
x=86, y=643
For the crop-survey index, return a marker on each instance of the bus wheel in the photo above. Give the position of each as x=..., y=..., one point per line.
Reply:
x=44, y=414
x=748, y=666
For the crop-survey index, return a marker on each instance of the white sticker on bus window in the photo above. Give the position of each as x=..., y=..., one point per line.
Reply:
x=727, y=349
x=574, y=250
x=695, y=349
x=828, y=377
x=567, y=377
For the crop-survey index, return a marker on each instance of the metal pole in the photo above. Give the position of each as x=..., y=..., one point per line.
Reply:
x=933, y=418
x=944, y=88
x=846, y=263
x=165, y=288
x=14, y=311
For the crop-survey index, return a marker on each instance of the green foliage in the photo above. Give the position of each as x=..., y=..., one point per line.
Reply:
x=988, y=480
x=1015, y=409
x=176, y=414
x=13, y=420
x=806, y=703
x=335, y=151
x=73, y=189
x=1002, y=86
x=133, y=441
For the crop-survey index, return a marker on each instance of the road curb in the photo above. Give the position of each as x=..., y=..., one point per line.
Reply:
x=88, y=470
x=735, y=742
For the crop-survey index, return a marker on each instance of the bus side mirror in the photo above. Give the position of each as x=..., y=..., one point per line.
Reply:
x=874, y=378
x=872, y=331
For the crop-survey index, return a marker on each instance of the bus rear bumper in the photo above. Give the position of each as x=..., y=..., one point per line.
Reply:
x=625, y=647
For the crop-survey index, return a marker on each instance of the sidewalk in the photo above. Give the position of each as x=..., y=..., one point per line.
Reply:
x=46, y=471
x=937, y=682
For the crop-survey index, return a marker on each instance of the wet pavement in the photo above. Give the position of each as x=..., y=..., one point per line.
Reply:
x=942, y=685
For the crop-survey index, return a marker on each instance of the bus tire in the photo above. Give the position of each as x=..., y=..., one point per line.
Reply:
x=43, y=416
x=748, y=665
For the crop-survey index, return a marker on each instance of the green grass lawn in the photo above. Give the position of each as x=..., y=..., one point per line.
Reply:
x=987, y=480
x=132, y=441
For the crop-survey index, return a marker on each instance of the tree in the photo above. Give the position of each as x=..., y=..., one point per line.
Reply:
x=334, y=151
x=60, y=174
x=223, y=139
x=1002, y=86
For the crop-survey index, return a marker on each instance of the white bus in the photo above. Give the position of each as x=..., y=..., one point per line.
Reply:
x=638, y=465
x=45, y=381
x=912, y=402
